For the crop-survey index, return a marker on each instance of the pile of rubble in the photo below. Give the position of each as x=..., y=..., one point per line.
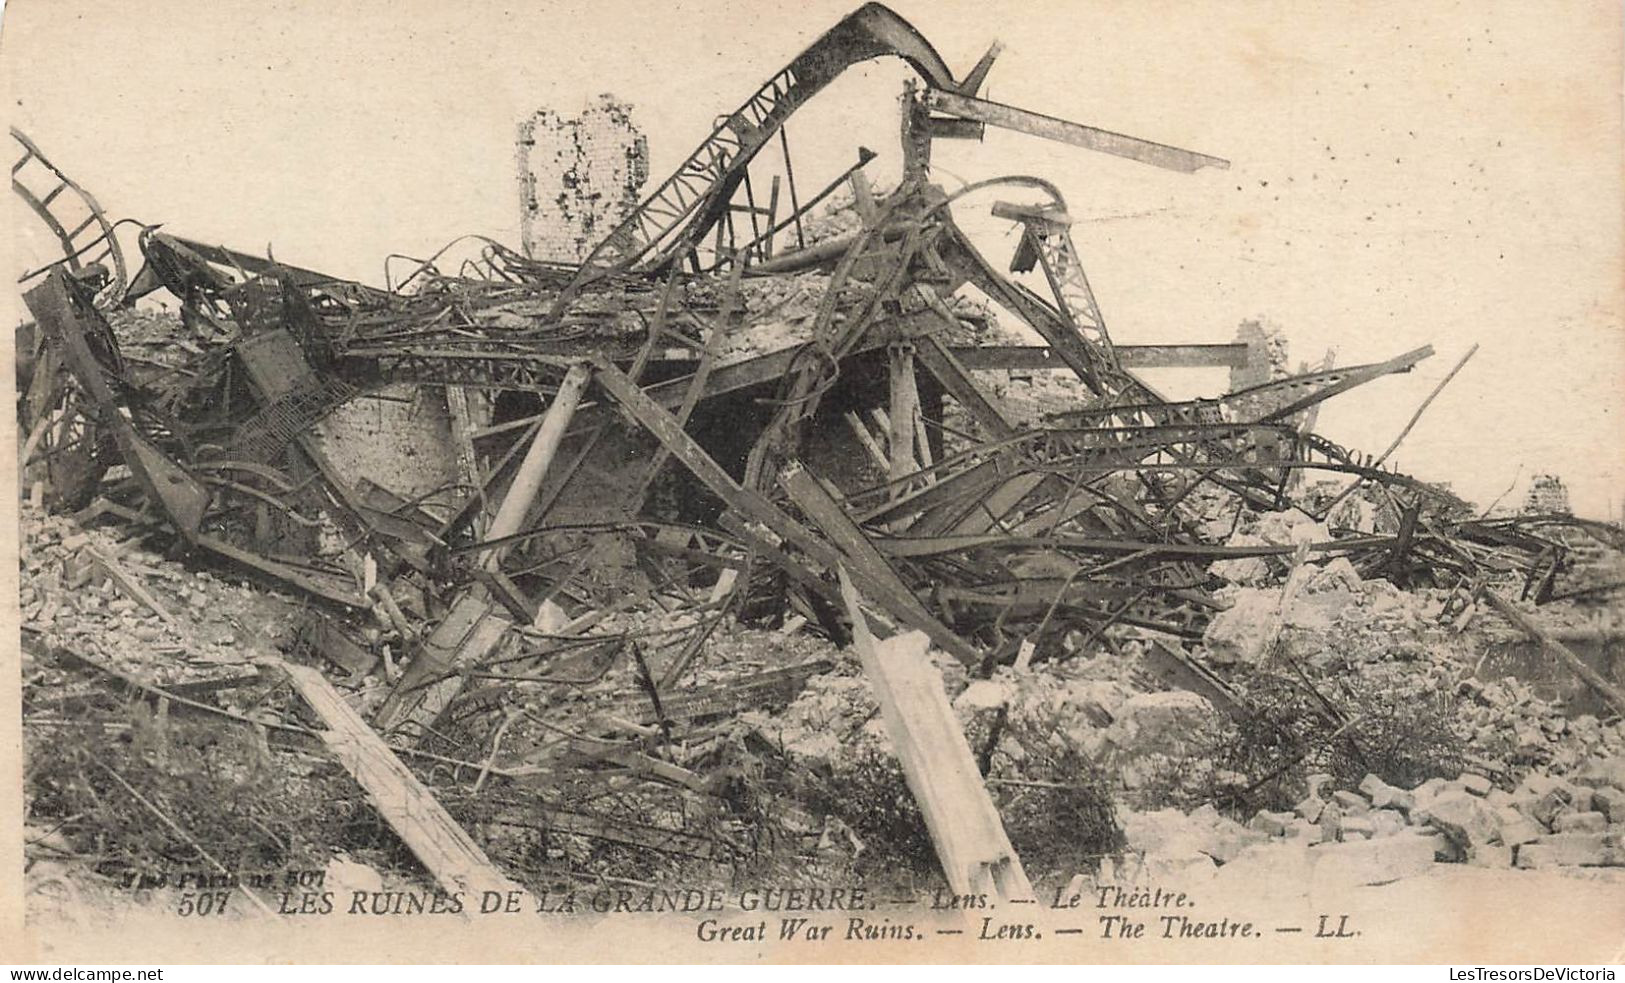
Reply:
x=1378, y=833
x=583, y=560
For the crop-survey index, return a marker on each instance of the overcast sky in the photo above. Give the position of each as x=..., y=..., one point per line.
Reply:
x=1403, y=174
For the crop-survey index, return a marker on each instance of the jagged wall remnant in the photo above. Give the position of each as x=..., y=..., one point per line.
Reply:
x=577, y=177
x=1547, y=495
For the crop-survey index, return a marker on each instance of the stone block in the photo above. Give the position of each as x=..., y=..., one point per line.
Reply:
x=1580, y=822
x=1602, y=772
x=1371, y=784
x=1516, y=828
x=1464, y=818
x=1352, y=803
x=1550, y=806
x=1567, y=850
x=1271, y=823
x=1303, y=829
x=1494, y=855
x=1381, y=861
x=1476, y=784
x=1387, y=822
x=1390, y=797
x=1310, y=808
x=1356, y=828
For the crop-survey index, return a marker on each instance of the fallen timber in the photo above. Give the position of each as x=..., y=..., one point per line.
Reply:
x=997, y=541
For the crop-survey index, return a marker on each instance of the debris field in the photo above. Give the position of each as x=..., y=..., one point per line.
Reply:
x=778, y=532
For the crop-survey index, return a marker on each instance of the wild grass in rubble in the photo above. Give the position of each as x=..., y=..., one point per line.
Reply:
x=1056, y=802
x=1404, y=730
x=132, y=795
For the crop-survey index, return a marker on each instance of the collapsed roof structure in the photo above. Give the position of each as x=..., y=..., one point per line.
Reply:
x=715, y=412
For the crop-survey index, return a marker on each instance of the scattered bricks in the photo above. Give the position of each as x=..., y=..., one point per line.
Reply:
x=1464, y=818
x=1567, y=850
x=1316, y=783
x=1352, y=803
x=1516, y=828
x=1381, y=861
x=1580, y=822
x=1386, y=822
x=1610, y=802
x=1310, y=809
x=1356, y=828
x=77, y=571
x=1476, y=784
x=1271, y=823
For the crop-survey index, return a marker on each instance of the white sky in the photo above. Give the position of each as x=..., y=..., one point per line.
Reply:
x=1403, y=174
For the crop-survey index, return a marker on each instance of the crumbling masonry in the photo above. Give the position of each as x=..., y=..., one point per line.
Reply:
x=530, y=499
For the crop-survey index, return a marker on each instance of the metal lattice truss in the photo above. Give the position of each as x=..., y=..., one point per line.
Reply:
x=662, y=361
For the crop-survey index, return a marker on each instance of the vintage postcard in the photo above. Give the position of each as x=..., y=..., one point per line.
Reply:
x=1056, y=482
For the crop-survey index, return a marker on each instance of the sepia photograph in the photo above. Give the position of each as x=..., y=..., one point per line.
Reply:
x=730, y=482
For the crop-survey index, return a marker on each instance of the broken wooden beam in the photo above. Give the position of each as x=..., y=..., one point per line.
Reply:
x=448, y=853
x=937, y=762
x=1591, y=677
x=527, y=481
x=462, y=639
x=987, y=357
x=755, y=506
x=952, y=373
x=130, y=584
x=821, y=508
x=905, y=406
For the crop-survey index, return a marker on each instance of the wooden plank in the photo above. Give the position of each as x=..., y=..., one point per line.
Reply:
x=1591, y=677
x=905, y=405
x=1180, y=671
x=527, y=481
x=464, y=637
x=468, y=460
x=130, y=585
x=866, y=439
x=449, y=854
x=952, y=374
x=987, y=357
x=815, y=501
x=937, y=763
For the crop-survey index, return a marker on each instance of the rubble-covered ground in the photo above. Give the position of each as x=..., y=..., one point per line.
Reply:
x=1383, y=734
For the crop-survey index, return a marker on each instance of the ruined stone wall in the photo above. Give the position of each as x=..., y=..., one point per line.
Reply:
x=578, y=177
x=1547, y=495
x=399, y=438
